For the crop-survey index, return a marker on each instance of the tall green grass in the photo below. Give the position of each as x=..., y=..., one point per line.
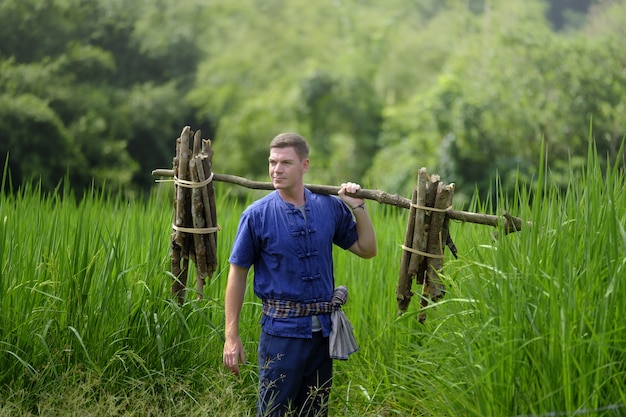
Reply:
x=531, y=324
x=84, y=289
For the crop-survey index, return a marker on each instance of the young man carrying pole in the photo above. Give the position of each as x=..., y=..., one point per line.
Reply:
x=288, y=236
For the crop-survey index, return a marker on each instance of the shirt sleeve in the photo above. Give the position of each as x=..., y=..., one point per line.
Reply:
x=245, y=248
x=345, y=233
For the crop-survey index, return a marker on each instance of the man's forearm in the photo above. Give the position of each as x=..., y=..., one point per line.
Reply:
x=365, y=230
x=235, y=291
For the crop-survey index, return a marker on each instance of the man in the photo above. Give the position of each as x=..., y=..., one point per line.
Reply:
x=288, y=237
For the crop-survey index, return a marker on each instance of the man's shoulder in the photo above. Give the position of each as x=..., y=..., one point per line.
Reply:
x=263, y=202
x=323, y=198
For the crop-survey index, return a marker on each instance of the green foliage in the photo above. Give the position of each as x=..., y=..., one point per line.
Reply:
x=329, y=95
x=104, y=85
x=93, y=292
x=468, y=89
x=47, y=133
x=511, y=87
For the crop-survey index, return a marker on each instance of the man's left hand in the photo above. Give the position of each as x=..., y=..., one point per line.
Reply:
x=350, y=188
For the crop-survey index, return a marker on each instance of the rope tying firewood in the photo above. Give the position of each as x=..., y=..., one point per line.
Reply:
x=419, y=252
x=193, y=184
x=199, y=231
x=438, y=210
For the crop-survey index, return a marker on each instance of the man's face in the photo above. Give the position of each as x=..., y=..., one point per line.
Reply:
x=285, y=167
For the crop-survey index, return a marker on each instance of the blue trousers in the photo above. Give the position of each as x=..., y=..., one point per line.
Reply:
x=295, y=376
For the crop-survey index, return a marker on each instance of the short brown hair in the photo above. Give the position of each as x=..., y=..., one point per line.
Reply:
x=297, y=142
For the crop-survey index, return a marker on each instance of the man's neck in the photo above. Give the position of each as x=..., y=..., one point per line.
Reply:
x=294, y=196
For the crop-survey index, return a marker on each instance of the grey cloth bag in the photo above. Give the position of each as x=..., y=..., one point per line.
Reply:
x=342, y=342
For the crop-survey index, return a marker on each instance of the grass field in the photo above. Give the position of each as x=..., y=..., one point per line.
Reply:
x=532, y=324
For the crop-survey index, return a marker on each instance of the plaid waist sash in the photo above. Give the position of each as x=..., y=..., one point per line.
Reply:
x=282, y=309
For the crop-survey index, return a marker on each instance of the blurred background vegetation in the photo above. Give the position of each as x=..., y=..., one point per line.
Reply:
x=98, y=90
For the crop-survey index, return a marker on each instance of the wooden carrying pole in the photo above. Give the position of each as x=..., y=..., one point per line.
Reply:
x=508, y=222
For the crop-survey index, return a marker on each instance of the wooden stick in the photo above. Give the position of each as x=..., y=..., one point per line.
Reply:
x=178, y=286
x=432, y=185
x=208, y=196
x=434, y=289
x=197, y=213
x=182, y=192
x=445, y=231
x=509, y=223
x=207, y=209
x=179, y=272
x=197, y=138
x=403, y=291
x=436, y=243
x=419, y=233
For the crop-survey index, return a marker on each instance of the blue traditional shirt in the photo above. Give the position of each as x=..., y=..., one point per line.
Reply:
x=292, y=254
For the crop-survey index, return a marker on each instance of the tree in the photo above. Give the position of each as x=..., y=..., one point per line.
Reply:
x=467, y=89
x=107, y=75
x=513, y=85
x=269, y=69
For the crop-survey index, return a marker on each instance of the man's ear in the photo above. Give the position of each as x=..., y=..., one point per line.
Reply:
x=305, y=165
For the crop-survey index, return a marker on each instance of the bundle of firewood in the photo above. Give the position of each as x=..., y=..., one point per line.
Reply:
x=427, y=235
x=194, y=230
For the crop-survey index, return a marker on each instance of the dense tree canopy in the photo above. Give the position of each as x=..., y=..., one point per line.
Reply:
x=99, y=90
x=513, y=86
